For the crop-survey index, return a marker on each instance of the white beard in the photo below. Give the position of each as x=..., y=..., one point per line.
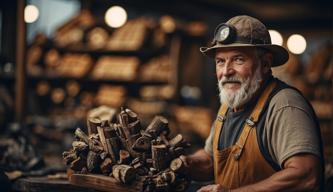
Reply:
x=248, y=88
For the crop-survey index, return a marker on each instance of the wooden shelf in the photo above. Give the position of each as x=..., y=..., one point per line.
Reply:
x=55, y=77
x=142, y=53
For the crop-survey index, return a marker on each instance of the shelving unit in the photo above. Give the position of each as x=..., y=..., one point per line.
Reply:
x=43, y=76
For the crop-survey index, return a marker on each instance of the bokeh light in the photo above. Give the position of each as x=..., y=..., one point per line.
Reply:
x=31, y=13
x=115, y=16
x=296, y=44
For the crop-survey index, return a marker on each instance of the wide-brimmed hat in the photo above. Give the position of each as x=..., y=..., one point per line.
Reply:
x=245, y=31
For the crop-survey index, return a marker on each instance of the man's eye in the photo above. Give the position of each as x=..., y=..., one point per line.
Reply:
x=239, y=60
x=219, y=62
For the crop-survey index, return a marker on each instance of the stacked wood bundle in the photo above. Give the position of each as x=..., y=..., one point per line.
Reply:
x=131, y=36
x=110, y=95
x=157, y=69
x=72, y=32
x=122, y=149
x=152, y=93
x=74, y=65
x=116, y=67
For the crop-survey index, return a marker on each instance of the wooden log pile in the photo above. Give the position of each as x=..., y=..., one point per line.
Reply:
x=121, y=148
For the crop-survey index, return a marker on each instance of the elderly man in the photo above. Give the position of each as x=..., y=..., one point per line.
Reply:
x=266, y=136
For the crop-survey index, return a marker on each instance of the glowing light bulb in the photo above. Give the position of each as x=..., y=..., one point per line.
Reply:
x=115, y=16
x=31, y=13
x=296, y=44
x=276, y=37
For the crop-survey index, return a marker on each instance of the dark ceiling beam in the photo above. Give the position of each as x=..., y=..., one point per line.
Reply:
x=311, y=14
x=302, y=24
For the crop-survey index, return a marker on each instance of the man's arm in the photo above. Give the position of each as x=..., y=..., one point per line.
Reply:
x=300, y=173
x=200, y=166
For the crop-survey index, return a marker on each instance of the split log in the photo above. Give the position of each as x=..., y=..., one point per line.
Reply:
x=178, y=165
x=132, y=117
x=94, y=144
x=124, y=157
x=137, y=163
x=78, y=164
x=176, y=141
x=95, y=148
x=79, y=146
x=160, y=157
x=168, y=176
x=103, y=155
x=92, y=124
x=142, y=144
x=134, y=124
x=134, y=127
x=176, y=152
x=160, y=184
x=113, y=148
x=69, y=156
x=123, y=173
x=109, y=132
x=123, y=121
x=112, y=143
x=81, y=135
x=93, y=160
x=106, y=166
x=157, y=126
x=102, y=138
x=129, y=133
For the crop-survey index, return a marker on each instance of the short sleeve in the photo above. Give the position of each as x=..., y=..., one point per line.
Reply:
x=290, y=127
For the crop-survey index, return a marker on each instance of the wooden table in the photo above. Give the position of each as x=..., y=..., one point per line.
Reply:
x=42, y=184
x=104, y=183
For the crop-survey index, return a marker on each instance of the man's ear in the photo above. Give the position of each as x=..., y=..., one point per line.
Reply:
x=267, y=61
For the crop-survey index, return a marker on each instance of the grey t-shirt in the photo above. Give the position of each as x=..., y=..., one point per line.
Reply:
x=289, y=128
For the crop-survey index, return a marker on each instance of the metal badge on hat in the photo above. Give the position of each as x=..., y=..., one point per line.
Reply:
x=224, y=34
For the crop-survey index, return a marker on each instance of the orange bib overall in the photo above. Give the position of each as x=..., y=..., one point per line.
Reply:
x=242, y=163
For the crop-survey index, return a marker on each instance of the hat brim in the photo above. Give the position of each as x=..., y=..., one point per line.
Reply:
x=280, y=54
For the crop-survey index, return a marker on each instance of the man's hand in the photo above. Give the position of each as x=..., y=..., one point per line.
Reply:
x=213, y=188
x=199, y=166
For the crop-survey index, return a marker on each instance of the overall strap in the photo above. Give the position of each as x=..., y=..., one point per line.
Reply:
x=219, y=124
x=253, y=119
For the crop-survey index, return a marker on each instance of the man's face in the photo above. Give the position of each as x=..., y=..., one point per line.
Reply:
x=239, y=75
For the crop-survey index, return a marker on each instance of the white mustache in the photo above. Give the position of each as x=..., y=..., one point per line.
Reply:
x=233, y=79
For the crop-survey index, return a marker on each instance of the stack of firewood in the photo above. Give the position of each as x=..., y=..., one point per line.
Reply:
x=116, y=67
x=121, y=148
x=157, y=69
x=131, y=36
x=74, y=65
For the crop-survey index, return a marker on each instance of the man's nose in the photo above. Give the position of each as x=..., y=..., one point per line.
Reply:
x=228, y=69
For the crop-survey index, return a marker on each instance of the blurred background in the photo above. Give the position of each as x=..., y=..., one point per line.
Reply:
x=61, y=58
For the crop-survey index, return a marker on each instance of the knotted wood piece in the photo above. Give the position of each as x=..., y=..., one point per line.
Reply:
x=106, y=166
x=160, y=157
x=93, y=160
x=92, y=124
x=123, y=173
x=158, y=126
